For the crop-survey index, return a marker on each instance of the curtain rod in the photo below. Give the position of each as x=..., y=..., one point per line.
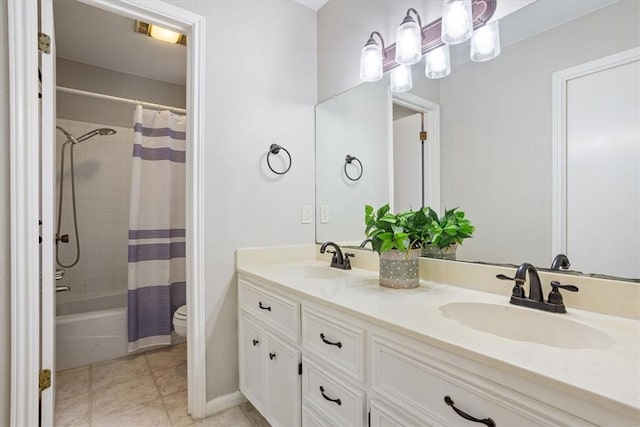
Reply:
x=118, y=99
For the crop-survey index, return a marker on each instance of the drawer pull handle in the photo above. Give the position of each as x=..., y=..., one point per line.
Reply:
x=272, y=356
x=255, y=342
x=336, y=401
x=264, y=307
x=487, y=421
x=324, y=340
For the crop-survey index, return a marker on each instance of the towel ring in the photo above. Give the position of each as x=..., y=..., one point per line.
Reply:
x=347, y=161
x=275, y=149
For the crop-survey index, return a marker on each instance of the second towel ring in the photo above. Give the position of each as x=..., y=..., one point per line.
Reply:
x=275, y=149
x=347, y=161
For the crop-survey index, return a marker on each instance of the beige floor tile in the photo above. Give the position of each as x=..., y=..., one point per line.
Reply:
x=123, y=395
x=230, y=418
x=151, y=414
x=73, y=412
x=167, y=357
x=252, y=413
x=72, y=383
x=171, y=380
x=176, y=406
x=103, y=375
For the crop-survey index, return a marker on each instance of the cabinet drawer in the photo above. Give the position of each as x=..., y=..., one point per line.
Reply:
x=422, y=384
x=312, y=418
x=280, y=313
x=335, y=341
x=336, y=400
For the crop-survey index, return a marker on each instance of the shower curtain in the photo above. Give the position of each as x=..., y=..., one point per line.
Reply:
x=157, y=275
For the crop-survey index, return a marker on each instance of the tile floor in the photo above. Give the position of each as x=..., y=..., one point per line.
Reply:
x=143, y=390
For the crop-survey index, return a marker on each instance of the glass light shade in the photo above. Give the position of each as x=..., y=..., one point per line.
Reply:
x=457, y=21
x=438, y=63
x=371, y=63
x=408, y=43
x=401, y=79
x=164, y=34
x=485, y=42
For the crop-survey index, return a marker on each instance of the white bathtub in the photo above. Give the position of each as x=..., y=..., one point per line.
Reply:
x=91, y=330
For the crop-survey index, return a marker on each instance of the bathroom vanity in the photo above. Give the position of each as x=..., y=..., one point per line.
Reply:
x=320, y=346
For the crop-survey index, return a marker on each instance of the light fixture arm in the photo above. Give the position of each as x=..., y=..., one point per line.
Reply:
x=482, y=11
x=372, y=41
x=415, y=12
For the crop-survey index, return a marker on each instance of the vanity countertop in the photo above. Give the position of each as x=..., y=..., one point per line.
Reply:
x=609, y=375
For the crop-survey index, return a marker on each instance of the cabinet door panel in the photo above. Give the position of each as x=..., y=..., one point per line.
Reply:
x=251, y=347
x=282, y=398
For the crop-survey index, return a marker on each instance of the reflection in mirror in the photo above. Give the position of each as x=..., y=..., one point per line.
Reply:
x=496, y=142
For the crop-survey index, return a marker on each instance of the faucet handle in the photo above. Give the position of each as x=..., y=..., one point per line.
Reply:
x=555, y=297
x=518, y=290
x=347, y=262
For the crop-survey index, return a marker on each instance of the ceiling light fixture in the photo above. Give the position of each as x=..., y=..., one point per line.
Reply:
x=460, y=19
x=160, y=33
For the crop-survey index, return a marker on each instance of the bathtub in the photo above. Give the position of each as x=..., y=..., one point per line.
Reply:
x=91, y=330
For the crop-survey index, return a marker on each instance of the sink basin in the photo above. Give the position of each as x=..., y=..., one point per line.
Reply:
x=319, y=272
x=521, y=324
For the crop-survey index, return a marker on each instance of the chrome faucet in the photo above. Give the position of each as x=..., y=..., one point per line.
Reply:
x=554, y=302
x=560, y=261
x=338, y=260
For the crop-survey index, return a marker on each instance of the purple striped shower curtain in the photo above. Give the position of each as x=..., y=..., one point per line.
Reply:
x=157, y=285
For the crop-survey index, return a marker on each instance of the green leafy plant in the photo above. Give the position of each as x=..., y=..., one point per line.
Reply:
x=451, y=229
x=387, y=230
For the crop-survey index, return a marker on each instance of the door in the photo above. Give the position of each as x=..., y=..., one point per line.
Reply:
x=252, y=363
x=47, y=197
x=282, y=393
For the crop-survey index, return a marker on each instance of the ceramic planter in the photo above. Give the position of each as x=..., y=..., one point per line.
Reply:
x=399, y=270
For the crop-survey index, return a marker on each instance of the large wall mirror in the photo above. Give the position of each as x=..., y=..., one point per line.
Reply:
x=491, y=141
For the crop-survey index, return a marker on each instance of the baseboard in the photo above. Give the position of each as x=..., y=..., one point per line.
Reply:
x=225, y=402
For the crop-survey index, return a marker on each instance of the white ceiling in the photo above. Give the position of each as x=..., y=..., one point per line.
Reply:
x=312, y=4
x=92, y=36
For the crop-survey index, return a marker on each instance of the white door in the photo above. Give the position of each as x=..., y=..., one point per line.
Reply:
x=603, y=170
x=282, y=392
x=47, y=197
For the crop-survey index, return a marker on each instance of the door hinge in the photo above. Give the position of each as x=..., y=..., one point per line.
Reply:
x=44, y=43
x=44, y=379
x=300, y=368
x=423, y=136
x=369, y=419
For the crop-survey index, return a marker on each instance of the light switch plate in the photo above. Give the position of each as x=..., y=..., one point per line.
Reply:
x=306, y=214
x=324, y=214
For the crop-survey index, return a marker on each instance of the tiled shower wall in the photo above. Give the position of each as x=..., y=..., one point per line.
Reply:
x=103, y=173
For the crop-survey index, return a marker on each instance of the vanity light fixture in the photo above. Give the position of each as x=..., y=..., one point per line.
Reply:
x=485, y=42
x=457, y=21
x=460, y=18
x=159, y=33
x=409, y=39
x=401, y=79
x=438, y=62
x=371, y=59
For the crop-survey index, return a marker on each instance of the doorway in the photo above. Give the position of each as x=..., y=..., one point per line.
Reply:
x=26, y=286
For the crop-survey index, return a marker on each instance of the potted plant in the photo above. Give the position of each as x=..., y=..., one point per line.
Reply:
x=393, y=237
x=446, y=233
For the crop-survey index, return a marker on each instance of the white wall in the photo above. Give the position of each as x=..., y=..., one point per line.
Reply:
x=260, y=89
x=5, y=285
x=101, y=80
x=103, y=180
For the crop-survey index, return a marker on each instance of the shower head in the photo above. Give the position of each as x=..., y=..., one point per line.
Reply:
x=101, y=131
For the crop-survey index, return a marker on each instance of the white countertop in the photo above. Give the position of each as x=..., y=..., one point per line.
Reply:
x=610, y=375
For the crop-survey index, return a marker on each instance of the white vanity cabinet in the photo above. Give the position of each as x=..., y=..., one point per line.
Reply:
x=359, y=371
x=269, y=362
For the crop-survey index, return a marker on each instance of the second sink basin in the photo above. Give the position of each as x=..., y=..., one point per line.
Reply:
x=521, y=324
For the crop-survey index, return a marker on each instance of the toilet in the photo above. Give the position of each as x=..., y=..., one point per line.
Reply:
x=180, y=321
